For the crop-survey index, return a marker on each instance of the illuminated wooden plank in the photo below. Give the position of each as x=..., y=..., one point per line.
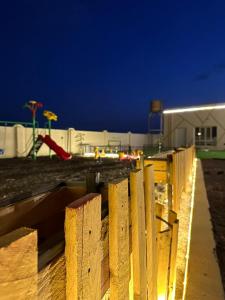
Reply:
x=138, y=235
x=160, y=177
x=159, y=165
x=83, y=249
x=173, y=256
x=18, y=267
x=164, y=241
x=175, y=182
x=119, y=255
x=151, y=232
x=158, y=212
x=52, y=277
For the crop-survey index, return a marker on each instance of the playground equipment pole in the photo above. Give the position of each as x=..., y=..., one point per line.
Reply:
x=50, y=116
x=33, y=126
x=49, y=132
x=33, y=106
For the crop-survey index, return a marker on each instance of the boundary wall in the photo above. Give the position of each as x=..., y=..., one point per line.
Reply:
x=16, y=141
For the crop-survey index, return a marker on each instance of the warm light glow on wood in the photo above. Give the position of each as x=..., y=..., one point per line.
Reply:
x=161, y=297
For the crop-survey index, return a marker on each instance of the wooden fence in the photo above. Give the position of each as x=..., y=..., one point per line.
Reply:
x=127, y=253
x=175, y=170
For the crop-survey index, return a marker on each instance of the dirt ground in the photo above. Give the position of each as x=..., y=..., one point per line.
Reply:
x=21, y=178
x=214, y=175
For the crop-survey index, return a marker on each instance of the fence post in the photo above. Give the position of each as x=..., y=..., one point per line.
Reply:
x=18, y=267
x=119, y=254
x=158, y=212
x=174, y=222
x=164, y=241
x=138, y=235
x=82, y=249
x=169, y=181
x=151, y=232
x=175, y=182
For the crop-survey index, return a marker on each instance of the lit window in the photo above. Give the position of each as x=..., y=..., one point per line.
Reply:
x=205, y=136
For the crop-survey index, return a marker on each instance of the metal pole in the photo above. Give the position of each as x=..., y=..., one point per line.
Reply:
x=33, y=123
x=49, y=133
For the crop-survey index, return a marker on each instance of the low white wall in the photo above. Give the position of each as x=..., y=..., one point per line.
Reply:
x=16, y=141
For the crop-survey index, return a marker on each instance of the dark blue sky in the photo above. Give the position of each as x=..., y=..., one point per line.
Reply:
x=97, y=64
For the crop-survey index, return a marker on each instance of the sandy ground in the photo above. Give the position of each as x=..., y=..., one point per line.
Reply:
x=214, y=176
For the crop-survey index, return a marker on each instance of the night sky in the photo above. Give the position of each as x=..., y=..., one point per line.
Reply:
x=98, y=64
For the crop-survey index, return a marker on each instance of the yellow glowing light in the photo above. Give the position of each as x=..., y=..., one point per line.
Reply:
x=190, y=109
x=109, y=155
x=189, y=229
x=161, y=297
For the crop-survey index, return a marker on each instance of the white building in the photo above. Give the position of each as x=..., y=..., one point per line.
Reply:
x=203, y=126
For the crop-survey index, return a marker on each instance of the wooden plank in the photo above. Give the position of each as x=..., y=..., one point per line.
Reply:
x=138, y=235
x=159, y=165
x=52, y=280
x=119, y=254
x=18, y=267
x=151, y=232
x=160, y=177
x=158, y=212
x=39, y=215
x=173, y=254
x=82, y=251
x=169, y=181
x=175, y=183
x=164, y=241
x=91, y=182
x=51, y=277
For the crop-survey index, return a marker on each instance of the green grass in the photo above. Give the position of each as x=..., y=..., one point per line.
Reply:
x=220, y=154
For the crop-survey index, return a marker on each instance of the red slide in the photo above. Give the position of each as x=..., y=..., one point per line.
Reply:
x=56, y=148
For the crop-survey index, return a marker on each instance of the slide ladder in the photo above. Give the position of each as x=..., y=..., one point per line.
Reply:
x=35, y=148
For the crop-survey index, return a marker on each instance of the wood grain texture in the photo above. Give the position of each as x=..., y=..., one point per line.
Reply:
x=138, y=235
x=83, y=249
x=159, y=165
x=173, y=253
x=52, y=280
x=164, y=242
x=151, y=232
x=158, y=212
x=18, y=265
x=119, y=255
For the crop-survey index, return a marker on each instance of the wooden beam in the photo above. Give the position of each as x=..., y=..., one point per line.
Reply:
x=138, y=235
x=82, y=251
x=39, y=215
x=119, y=255
x=18, y=267
x=158, y=212
x=159, y=165
x=164, y=241
x=173, y=254
x=151, y=232
x=91, y=182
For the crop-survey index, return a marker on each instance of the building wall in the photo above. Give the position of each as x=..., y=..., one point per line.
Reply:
x=16, y=141
x=191, y=120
